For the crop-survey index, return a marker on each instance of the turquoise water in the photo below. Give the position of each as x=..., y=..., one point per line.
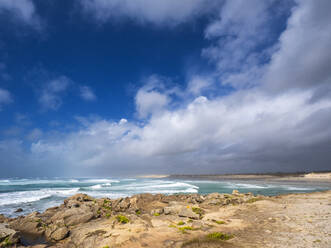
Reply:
x=40, y=194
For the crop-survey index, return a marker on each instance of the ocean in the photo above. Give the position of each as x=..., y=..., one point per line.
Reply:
x=42, y=193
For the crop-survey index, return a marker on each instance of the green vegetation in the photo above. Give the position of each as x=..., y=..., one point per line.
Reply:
x=106, y=207
x=215, y=239
x=180, y=223
x=122, y=219
x=198, y=211
x=185, y=228
x=7, y=242
x=108, y=215
x=219, y=236
x=220, y=222
x=172, y=225
x=107, y=246
x=138, y=212
x=252, y=200
x=190, y=221
x=156, y=214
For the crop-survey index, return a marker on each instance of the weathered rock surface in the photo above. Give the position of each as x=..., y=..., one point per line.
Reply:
x=8, y=237
x=82, y=221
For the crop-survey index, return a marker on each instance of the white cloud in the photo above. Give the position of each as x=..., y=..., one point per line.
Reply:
x=304, y=58
x=5, y=97
x=149, y=102
x=161, y=13
x=198, y=83
x=149, y=98
x=87, y=94
x=23, y=10
x=238, y=39
x=235, y=129
x=51, y=94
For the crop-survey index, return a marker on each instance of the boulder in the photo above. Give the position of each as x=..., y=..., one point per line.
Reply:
x=2, y=218
x=28, y=225
x=19, y=210
x=73, y=216
x=173, y=209
x=60, y=233
x=8, y=236
x=187, y=212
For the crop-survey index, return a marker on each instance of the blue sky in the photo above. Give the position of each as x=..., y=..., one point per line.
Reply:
x=117, y=87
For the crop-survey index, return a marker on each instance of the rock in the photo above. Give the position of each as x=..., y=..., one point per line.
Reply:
x=56, y=232
x=2, y=218
x=60, y=233
x=235, y=192
x=28, y=225
x=186, y=212
x=8, y=236
x=74, y=216
x=175, y=209
x=214, y=196
x=19, y=210
x=157, y=211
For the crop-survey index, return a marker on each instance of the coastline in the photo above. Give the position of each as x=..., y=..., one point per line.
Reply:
x=314, y=176
x=183, y=220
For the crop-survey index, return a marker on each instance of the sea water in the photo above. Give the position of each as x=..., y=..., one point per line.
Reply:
x=40, y=194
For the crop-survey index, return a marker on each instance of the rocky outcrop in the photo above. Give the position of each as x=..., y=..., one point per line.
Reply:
x=8, y=237
x=82, y=221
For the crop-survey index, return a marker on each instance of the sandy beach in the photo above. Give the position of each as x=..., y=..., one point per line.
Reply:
x=314, y=176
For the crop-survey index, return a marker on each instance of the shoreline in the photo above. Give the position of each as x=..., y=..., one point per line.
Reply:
x=309, y=177
x=183, y=221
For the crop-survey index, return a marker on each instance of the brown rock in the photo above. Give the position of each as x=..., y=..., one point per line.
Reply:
x=8, y=236
x=186, y=212
x=19, y=210
x=60, y=233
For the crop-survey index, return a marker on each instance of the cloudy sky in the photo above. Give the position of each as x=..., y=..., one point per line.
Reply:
x=118, y=87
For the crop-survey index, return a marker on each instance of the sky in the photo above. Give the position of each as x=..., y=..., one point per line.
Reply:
x=119, y=87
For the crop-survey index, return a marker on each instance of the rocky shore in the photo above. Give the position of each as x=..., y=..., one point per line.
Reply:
x=190, y=220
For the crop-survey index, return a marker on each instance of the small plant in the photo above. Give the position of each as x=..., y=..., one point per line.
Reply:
x=180, y=223
x=106, y=207
x=107, y=215
x=138, y=212
x=107, y=246
x=190, y=221
x=172, y=225
x=156, y=214
x=99, y=212
x=252, y=200
x=7, y=242
x=220, y=236
x=185, y=228
x=220, y=222
x=122, y=219
x=197, y=210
